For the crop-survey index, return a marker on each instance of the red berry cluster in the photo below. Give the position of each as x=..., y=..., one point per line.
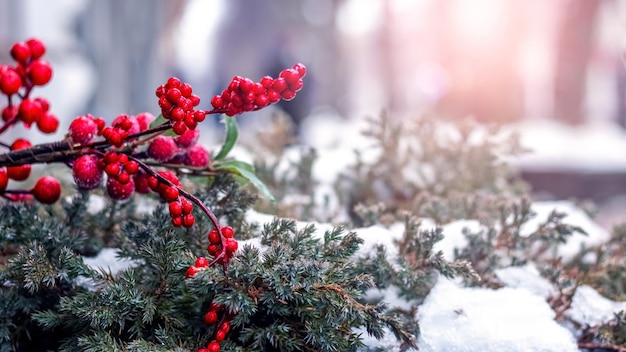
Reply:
x=180, y=208
x=212, y=317
x=177, y=103
x=119, y=170
x=217, y=246
x=29, y=71
x=242, y=94
x=122, y=127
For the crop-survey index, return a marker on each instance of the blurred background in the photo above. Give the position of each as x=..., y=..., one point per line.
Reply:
x=555, y=69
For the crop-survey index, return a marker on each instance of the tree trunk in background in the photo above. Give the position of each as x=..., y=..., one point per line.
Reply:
x=574, y=47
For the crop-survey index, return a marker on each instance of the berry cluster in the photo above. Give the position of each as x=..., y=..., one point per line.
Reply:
x=177, y=103
x=122, y=127
x=211, y=318
x=180, y=208
x=29, y=71
x=217, y=246
x=242, y=94
x=119, y=170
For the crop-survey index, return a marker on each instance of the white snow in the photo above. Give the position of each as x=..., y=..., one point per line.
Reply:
x=457, y=319
x=591, y=308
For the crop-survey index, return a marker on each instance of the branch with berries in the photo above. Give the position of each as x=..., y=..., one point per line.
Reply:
x=138, y=154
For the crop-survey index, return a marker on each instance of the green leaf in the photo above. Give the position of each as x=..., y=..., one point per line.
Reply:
x=231, y=137
x=158, y=122
x=246, y=171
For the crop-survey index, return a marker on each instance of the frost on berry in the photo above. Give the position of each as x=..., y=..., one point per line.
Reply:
x=119, y=191
x=197, y=156
x=187, y=139
x=86, y=172
x=47, y=190
x=162, y=148
x=144, y=119
x=83, y=129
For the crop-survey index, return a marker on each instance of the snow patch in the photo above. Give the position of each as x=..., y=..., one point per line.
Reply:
x=456, y=319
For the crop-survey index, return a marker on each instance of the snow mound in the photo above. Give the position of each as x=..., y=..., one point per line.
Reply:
x=456, y=319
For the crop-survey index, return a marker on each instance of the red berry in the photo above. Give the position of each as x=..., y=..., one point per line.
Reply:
x=4, y=179
x=290, y=75
x=30, y=111
x=202, y=262
x=179, y=127
x=131, y=167
x=119, y=191
x=279, y=84
x=197, y=156
x=45, y=105
x=217, y=102
x=210, y=317
x=220, y=335
x=214, y=346
x=212, y=249
x=177, y=222
x=228, y=232
x=123, y=177
x=86, y=173
x=187, y=139
x=273, y=96
x=37, y=48
x=47, y=190
x=192, y=271
x=188, y=220
x=300, y=68
x=112, y=169
x=39, y=72
x=19, y=173
x=170, y=194
x=231, y=245
x=288, y=94
x=20, y=52
x=141, y=183
x=20, y=143
x=48, y=123
x=128, y=123
x=10, y=82
x=9, y=112
x=187, y=206
x=214, y=237
x=172, y=82
x=202, y=350
x=173, y=95
x=83, y=129
x=267, y=82
x=225, y=326
x=145, y=119
x=162, y=148
x=175, y=209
